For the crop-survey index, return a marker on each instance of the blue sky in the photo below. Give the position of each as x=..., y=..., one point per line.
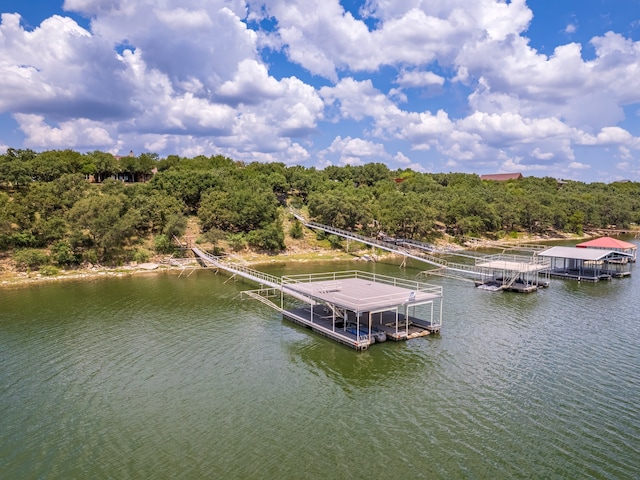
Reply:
x=538, y=87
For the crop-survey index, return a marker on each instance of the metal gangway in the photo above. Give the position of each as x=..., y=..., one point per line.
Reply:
x=263, y=279
x=421, y=252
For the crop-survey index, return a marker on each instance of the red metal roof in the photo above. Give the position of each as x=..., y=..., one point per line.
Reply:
x=501, y=177
x=606, y=242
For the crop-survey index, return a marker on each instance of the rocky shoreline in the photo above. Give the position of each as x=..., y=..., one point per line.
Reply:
x=9, y=277
x=167, y=264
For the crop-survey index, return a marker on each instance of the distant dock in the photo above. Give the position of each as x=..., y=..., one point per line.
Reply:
x=515, y=273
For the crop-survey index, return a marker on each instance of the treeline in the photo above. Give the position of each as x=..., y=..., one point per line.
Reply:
x=50, y=212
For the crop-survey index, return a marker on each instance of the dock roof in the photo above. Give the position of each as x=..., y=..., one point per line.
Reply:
x=607, y=242
x=586, y=254
x=364, y=292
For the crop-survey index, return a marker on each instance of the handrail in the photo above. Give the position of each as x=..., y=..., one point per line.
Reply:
x=376, y=277
x=239, y=269
x=424, y=257
x=380, y=243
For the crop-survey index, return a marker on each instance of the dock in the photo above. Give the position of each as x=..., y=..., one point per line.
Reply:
x=352, y=307
x=518, y=273
x=588, y=264
x=365, y=308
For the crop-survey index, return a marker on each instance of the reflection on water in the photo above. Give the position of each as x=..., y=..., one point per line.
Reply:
x=166, y=377
x=388, y=364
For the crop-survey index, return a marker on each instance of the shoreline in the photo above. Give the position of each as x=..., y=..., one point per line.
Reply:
x=15, y=279
x=168, y=264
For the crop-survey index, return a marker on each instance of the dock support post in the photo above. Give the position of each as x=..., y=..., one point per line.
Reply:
x=406, y=320
x=333, y=318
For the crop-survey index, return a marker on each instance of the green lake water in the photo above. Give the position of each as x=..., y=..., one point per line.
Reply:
x=162, y=376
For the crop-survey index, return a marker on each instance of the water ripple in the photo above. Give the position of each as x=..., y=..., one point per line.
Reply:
x=163, y=377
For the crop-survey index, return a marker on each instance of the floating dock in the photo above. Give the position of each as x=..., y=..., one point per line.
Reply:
x=513, y=273
x=357, y=308
x=587, y=264
x=352, y=307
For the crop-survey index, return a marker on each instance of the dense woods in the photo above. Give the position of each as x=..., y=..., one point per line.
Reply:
x=63, y=208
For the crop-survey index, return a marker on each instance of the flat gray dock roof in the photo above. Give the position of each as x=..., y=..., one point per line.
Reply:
x=362, y=293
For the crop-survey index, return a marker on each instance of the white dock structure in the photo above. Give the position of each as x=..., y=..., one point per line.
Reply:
x=352, y=307
x=502, y=272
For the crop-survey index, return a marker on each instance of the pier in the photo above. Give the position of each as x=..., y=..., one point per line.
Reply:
x=588, y=264
x=354, y=308
x=518, y=273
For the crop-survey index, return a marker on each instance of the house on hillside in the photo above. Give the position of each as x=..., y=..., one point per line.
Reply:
x=127, y=168
x=501, y=177
x=608, y=243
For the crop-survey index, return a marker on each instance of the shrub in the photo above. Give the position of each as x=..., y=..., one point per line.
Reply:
x=296, y=202
x=162, y=244
x=214, y=235
x=90, y=256
x=141, y=255
x=237, y=242
x=30, y=258
x=49, y=271
x=62, y=253
x=23, y=239
x=335, y=241
x=296, y=230
x=176, y=225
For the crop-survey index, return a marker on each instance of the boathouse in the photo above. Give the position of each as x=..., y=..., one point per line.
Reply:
x=352, y=307
x=608, y=243
x=359, y=308
x=587, y=264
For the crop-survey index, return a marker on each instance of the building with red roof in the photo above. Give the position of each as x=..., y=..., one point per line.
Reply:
x=608, y=243
x=501, y=177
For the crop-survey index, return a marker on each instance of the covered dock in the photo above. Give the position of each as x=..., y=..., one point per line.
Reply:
x=359, y=308
x=515, y=273
x=587, y=264
x=608, y=243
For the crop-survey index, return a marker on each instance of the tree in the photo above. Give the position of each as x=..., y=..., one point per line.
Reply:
x=145, y=165
x=240, y=209
x=296, y=230
x=343, y=207
x=6, y=221
x=188, y=186
x=105, y=165
x=105, y=219
x=52, y=164
x=270, y=238
x=14, y=167
x=406, y=215
x=63, y=254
